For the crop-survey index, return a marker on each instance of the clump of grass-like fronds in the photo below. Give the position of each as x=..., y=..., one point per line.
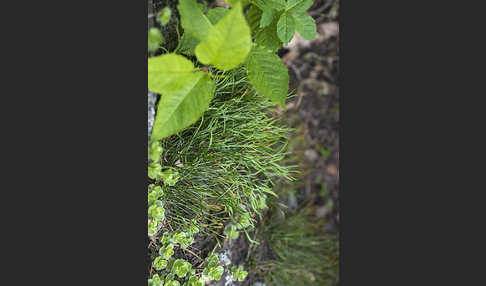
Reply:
x=227, y=160
x=300, y=254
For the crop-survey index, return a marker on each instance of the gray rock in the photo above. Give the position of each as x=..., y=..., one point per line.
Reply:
x=152, y=99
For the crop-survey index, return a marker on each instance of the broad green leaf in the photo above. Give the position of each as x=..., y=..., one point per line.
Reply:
x=163, y=17
x=253, y=18
x=244, y=3
x=268, y=37
x=287, y=4
x=267, y=17
x=185, y=93
x=155, y=38
x=168, y=73
x=179, y=109
x=215, y=14
x=270, y=4
x=285, y=27
x=188, y=44
x=305, y=25
x=268, y=74
x=301, y=6
x=193, y=21
x=269, y=10
x=228, y=42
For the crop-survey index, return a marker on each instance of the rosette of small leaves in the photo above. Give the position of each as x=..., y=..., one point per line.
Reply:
x=181, y=268
x=160, y=263
x=155, y=39
x=191, y=228
x=212, y=270
x=166, y=238
x=170, y=177
x=195, y=281
x=155, y=281
x=244, y=221
x=215, y=273
x=154, y=193
x=155, y=151
x=169, y=277
x=172, y=283
x=154, y=171
x=167, y=251
x=164, y=15
x=238, y=274
x=152, y=227
x=183, y=239
x=231, y=232
x=156, y=211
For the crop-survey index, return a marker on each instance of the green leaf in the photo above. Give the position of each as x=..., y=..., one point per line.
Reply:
x=156, y=211
x=253, y=17
x=268, y=74
x=228, y=42
x=169, y=73
x=287, y=4
x=244, y=3
x=216, y=14
x=179, y=237
x=270, y=4
x=193, y=20
x=173, y=283
x=212, y=260
x=267, y=17
x=240, y=274
x=156, y=280
x=155, y=151
x=216, y=273
x=188, y=44
x=268, y=37
x=160, y=263
x=299, y=6
x=243, y=222
x=155, y=39
x=181, y=268
x=169, y=277
x=295, y=18
x=165, y=239
x=185, y=94
x=170, y=177
x=194, y=281
x=163, y=17
x=285, y=28
x=152, y=227
x=232, y=233
x=154, y=170
x=155, y=192
x=305, y=25
x=167, y=251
